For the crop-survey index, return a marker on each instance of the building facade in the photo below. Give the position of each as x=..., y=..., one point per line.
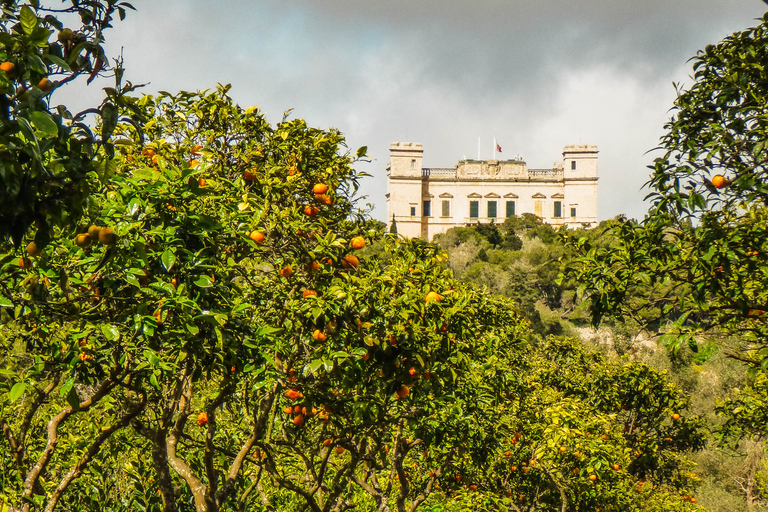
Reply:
x=427, y=201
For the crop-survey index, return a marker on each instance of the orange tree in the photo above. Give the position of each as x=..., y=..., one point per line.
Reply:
x=50, y=158
x=697, y=262
x=215, y=311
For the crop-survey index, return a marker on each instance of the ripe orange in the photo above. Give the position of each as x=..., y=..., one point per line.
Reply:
x=403, y=391
x=293, y=394
x=311, y=211
x=513, y=468
x=286, y=271
x=257, y=237
x=675, y=416
x=412, y=371
x=202, y=419
x=45, y=85
x=8, y=67
x=473, y=487
x=319, y=335
x=562, y=449
x=576, y=471
x=432, y=296
x=173, y=281
x=320, y=188
x=308, y=293
x=615, y=467
x=366, y=356
x=249, y=176
x=350, y=261
x=83, y=240
x=719, y=181
x=593, y=477
x=288, y=409
x=313, y=266
x=196, y=149
x=148, y=152
x=357, y=243
x=327, y=443
x=32, y=249
x=339, y=450
x=324, y=199
x=298, y=420
x=107, y=236
x=201, y=182
x=507, y=453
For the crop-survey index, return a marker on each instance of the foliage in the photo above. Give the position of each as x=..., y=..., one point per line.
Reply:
x=51, y=158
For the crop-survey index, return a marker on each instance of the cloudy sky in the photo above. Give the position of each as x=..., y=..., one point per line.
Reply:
x=535, y=74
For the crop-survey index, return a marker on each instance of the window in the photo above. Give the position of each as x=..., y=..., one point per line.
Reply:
x=537, y=208
x=446, y=208
x=413, y=211
x=510, y=208
x=427, y=210
x=491, y=209
x=573, y=165
x=413, y=163
x=558, y=209
x=573, y=211
x=474, y=208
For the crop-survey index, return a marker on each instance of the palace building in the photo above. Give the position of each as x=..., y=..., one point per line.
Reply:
x=426, y=201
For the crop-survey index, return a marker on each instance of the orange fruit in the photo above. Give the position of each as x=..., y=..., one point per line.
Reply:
x=675, y=416
x=173, y=281
x=249, y=176
x=313, y=266
x=473, y=487
x=257, y=237
x=202, y=419
x=562, y=449
x=719, y=181
x=201, y=182
x=324, y=199
x=432, y=297
x=615, y=467
x=366, y=356
x=293, y=394
x=82, y=240
x=193, y=163
x=298, y=420
x=196, y=149
x=288, y=409
x=350, y=261
x=593, y=477
x=286, y=271
x=311, y=211
x=107, y=236
x=8, y=67
x=32, y=249
x=412, y=371
x=327, y=443
x=45, y=85
x=308, y=293
x=507, y=453
x=320, y=188
x=148, y=152
x=339, y=450
x=357, y=243
x=319, y=335
x=403, y=391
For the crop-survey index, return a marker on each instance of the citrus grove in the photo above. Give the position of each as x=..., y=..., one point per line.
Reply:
x=206, y=329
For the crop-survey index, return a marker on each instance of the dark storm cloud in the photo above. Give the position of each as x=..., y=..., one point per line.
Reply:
x=537, y=74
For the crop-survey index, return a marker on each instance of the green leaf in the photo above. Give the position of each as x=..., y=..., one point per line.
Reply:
x=5, y=303
x=16, y=391
x=73, y=400
x=203, y=282
x=109, y=115
x=168, y=258
x=110, y=332
x=43, y=121
x=28, y=20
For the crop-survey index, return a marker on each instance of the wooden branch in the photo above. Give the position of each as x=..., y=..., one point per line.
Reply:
x=16, y=448
x=77, y=470
x=33, y=475
x=258, y=432
x=160, y=463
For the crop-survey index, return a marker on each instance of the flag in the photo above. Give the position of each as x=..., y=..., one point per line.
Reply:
x=498, y=148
